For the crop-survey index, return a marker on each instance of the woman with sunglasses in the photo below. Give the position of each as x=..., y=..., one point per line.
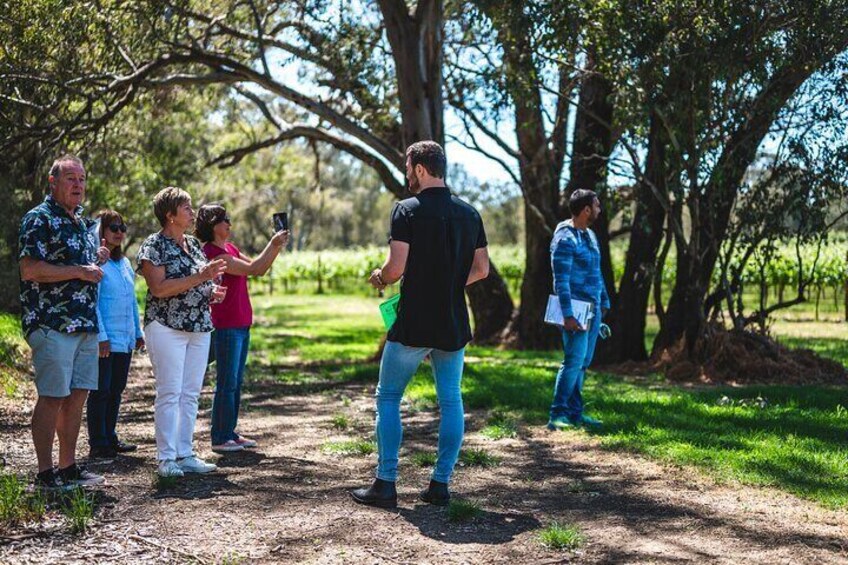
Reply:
x=119, y=334
x=232, y=319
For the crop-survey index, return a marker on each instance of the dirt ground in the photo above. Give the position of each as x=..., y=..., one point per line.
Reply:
x=288, y=502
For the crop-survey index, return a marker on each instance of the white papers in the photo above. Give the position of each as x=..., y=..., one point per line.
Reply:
x=583, y=311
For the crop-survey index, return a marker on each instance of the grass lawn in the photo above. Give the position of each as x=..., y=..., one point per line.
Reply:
x=795, y=439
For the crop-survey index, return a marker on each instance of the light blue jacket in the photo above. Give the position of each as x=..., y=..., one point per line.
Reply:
x=576, y=265
x=117, y=309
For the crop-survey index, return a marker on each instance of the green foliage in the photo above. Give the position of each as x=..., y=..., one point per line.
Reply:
x=561, y=537
x=463, y=510
x=500, y=425
x=478, y=458
x=161, y=483
x=349, y=447
x=423, y=458
x=340, y=422
x=11, y=355
x=16, y=504
x=79, y=509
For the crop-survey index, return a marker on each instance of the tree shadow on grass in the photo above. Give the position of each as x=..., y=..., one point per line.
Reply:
x=605, y=495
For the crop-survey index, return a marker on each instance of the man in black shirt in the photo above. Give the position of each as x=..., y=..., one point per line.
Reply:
x=438, y=245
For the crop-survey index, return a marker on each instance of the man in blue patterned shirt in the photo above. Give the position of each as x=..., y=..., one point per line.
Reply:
x=59, y=275
x=576, y=265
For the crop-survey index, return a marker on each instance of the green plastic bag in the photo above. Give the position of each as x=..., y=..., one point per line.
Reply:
x=389, y=309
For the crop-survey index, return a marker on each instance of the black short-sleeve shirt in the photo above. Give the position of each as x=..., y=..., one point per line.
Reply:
x=443, y=233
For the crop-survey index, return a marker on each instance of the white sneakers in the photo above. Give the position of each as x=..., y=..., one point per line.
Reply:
x=169, y=468
x=194, y=464
x=178, y=468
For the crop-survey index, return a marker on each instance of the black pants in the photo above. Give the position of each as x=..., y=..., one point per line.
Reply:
x=103, y=403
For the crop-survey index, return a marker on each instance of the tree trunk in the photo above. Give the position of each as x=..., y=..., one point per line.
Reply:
x=592, y=146
x=417, y=49
x=529, y=332
x=685, y=316
x=491, y=306
x=627, y=319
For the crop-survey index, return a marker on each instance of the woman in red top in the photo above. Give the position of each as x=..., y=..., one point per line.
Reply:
x=232, y=319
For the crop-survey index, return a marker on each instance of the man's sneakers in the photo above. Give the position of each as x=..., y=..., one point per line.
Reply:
x=193, y=464
x=590, y=422
x=381, y=494
x=564, y=423
x=437, y=494
x=227, y=447
x=76, y=475
x=49, y=480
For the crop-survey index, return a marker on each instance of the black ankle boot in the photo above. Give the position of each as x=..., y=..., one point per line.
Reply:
x=381, y=494
x=437, y=493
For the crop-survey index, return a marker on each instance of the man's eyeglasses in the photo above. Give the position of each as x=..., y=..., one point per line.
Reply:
x=115, y=228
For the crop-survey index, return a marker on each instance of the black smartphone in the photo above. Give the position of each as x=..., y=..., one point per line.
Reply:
x=281, y=221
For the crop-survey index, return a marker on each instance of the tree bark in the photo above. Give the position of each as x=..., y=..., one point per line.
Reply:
x=593, y=142
x=417, y=40
x=627, y=319
x=491, y=307
x=685, y=317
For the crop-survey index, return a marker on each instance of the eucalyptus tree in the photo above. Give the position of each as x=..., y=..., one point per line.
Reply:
x=365, y=77
x=714, y=85
x=517, y=67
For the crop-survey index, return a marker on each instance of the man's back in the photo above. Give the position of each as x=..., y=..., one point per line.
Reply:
x=443, y=233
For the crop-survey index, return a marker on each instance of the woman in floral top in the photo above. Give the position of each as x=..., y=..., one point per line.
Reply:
x=177, y=327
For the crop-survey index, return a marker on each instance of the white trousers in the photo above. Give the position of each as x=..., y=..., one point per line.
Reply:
x=179, y=362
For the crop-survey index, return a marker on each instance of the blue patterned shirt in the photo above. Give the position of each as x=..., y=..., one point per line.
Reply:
x=576, y=265
x=49, y=234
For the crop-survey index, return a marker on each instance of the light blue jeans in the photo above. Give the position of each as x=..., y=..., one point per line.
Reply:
x=578, y=348
x=397, y=367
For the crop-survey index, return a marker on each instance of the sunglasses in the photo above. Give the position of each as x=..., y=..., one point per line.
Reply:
x=115, y=228
x=226, y=218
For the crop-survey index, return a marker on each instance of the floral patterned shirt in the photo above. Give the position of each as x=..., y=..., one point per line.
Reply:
x=189, y=311
x=48, y=233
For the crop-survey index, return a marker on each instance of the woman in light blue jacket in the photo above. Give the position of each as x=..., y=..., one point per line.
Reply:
x=120, y=333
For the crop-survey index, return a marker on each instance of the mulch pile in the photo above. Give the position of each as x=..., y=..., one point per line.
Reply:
x=742, y=357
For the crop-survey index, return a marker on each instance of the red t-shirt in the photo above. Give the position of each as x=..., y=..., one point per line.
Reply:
x=235, y=311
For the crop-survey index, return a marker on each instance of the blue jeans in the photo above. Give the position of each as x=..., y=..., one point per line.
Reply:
x=104, y=403
x=577, y=351
x=231, y=345
x=397, y=367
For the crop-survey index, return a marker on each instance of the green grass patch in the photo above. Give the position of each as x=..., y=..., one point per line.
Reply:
x=796, y=442
x=11, y=355
x=349, y=447
x=16, y=504
x=78, y=507
x=478, y=458
x=423, y=458
x=561, y=537
x=303, y=328
x=830, y=347
x=162, y=484
x=340, y=422
x=500, y=425
x=463, y=510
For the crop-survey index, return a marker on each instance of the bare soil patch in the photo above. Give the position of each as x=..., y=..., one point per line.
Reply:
x=287, y=501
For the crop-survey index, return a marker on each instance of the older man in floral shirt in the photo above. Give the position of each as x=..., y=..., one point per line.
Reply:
x=59, y=271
